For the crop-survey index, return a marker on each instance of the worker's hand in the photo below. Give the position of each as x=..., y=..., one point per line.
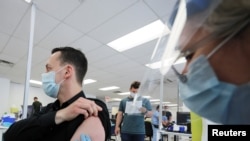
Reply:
x=143, y=110
x=80, y=106
x=117, y=130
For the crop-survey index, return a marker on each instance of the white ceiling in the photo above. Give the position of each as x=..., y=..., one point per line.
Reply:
x=88, y=25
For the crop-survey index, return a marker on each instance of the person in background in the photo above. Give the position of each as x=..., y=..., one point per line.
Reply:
x=133, y=127
x=72, y=116
x=155, y=123
x=168, y=114
x=215, y=41
x=36, y=105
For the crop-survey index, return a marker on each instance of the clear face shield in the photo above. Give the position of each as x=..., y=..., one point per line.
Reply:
x=185, y=35
x=200, y=24
x=188, y=16
x=193, y=24
x=186, y=19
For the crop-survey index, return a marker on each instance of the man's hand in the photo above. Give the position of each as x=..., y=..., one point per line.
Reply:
x=117, y=130
x=80, y=106
x=143, y=110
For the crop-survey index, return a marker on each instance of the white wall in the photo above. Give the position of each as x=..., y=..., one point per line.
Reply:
x=4, y=95
x=17, y=95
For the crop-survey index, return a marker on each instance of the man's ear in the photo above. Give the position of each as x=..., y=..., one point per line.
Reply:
x=69, y=70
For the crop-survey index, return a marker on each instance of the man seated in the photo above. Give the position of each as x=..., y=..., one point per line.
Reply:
x=70, y=116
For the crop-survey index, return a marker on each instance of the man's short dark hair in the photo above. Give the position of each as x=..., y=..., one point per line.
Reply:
x=74, y=57
x=135, y=84
x=157, y=107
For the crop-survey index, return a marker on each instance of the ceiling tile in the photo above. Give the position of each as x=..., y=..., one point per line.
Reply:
x=44, y=24
x=4, y=39
x=16, y=48
x=124, y=23
x=86, y=18
x=58, y=8
x=110, y=61
x=100, y=53
x=37, y=57
x=159, y=7
x=60, y=36
x=86, y=44
x=11, y=13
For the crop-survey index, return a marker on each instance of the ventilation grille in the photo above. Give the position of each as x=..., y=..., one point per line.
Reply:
x=5, y=63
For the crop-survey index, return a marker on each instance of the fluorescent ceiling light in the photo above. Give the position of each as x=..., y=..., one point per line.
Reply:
x=116, y=99
x=124, y=93
x=172, y=105
x=158, y=102
x=153, y=100
x=157, y=65
x=146, y=96
x=28, y=1
x=88, y=81
x=166, y=102
x=139, y=36
x=109, y=88
x=36, y=82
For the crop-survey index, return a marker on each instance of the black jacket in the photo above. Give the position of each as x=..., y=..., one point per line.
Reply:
x=42, y=127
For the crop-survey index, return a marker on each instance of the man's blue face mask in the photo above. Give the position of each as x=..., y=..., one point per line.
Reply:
x=50, y=87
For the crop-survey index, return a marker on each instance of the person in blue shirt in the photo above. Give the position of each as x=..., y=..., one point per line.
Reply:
x=155, y=123
x=133, y=127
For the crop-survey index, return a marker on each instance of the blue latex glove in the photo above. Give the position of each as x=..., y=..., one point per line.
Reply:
x=85, y=138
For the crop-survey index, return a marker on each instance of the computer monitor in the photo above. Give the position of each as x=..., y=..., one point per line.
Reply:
x=183, y=118
x=29, y=110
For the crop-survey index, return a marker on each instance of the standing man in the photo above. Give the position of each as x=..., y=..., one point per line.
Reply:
x=133, y=112
x=70, y=116
x=36, y=105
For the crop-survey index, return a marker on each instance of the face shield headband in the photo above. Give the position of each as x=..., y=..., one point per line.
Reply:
x=187, y=18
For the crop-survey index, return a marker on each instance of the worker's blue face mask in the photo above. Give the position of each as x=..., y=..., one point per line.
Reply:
x=215, y=100
x=50, y=87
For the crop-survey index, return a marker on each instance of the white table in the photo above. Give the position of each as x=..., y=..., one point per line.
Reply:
x=2, y=130
x=177, y=134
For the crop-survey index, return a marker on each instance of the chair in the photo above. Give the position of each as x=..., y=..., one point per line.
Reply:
x=148, y=129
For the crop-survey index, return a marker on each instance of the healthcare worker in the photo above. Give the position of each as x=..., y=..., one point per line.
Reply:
x=213, y=35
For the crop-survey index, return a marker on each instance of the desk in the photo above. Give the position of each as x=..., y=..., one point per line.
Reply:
x=2, y=130
x=177, y=134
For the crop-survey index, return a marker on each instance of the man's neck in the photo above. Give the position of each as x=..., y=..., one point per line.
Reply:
x=67, y=93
